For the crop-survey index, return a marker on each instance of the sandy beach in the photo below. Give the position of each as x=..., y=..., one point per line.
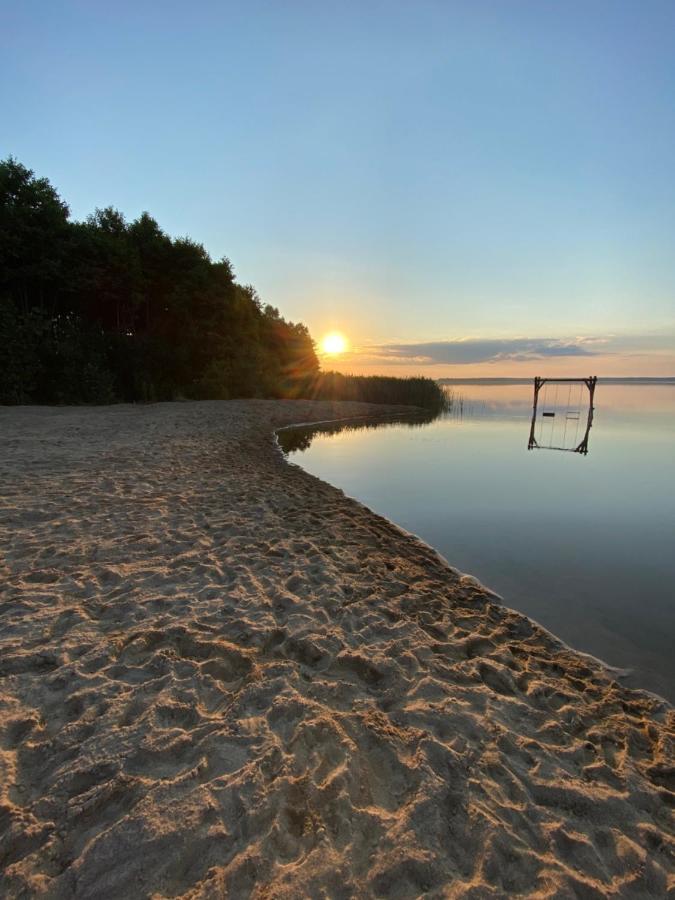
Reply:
x=219, y=676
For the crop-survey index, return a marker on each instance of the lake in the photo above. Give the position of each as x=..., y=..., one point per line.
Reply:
x=583, y=544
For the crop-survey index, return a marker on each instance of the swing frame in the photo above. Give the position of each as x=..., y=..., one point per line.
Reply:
x=582, y=446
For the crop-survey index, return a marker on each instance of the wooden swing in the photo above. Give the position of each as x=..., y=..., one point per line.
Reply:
x=553, y=414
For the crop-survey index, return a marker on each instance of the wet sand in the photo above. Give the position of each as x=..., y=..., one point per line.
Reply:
x=219, y=676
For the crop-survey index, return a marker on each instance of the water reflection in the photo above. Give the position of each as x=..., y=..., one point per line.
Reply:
x=298, y=438
x=584, y=549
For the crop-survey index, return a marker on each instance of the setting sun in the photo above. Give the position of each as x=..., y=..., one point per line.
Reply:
x=334, y=343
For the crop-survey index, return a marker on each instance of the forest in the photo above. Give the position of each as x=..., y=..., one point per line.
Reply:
x=106, y=310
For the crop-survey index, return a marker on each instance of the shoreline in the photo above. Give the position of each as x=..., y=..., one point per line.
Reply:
x=629, y=673
x=220, y=674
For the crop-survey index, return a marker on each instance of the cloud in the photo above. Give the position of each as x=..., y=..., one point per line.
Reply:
x=461, y=352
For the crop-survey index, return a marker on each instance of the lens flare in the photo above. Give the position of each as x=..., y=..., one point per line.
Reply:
x=333, y=344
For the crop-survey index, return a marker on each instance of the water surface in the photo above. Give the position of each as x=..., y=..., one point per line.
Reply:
x=583, y=544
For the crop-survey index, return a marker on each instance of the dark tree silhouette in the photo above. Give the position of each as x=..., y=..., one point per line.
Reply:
x=107, y=310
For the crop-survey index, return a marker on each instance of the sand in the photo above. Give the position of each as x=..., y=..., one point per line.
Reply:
x=219, y=676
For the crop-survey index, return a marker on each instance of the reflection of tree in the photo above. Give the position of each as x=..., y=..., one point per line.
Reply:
x=296, y=440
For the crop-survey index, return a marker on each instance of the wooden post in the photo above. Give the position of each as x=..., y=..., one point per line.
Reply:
x=590, y=384
x=537, y=387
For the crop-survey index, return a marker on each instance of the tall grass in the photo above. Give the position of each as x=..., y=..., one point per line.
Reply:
x=421, y=392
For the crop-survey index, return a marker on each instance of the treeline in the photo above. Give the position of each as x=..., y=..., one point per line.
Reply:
x=107, y=310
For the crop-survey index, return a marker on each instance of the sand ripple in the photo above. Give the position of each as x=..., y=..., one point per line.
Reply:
x=221, y=677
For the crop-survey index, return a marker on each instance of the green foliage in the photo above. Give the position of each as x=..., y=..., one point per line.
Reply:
x=33, y=235
x=21, y=367
x=421, y=392
x=108, y=310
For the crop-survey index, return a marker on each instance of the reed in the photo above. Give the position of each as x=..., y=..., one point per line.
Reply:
x=415, y=391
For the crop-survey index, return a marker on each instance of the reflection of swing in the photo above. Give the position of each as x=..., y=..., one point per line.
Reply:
x=560, y=413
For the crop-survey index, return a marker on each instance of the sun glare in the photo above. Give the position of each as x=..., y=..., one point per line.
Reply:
x=333, y=344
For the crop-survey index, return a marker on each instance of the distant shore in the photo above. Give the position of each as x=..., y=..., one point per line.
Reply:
x=601, y=380
x=219, y=676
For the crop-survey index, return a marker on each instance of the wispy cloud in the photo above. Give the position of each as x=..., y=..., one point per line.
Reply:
x=459, y=352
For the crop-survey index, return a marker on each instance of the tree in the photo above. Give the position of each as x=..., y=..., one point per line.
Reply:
x=33, y=236
x=106, y=309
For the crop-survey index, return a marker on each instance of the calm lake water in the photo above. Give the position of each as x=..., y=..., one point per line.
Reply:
x=585, y=545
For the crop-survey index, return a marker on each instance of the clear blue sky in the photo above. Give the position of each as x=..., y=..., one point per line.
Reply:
x=411, y=172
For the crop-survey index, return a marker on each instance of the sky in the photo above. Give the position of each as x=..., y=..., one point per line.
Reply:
x=475, y=188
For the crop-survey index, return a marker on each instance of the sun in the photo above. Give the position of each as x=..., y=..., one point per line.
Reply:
x=333, y=344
